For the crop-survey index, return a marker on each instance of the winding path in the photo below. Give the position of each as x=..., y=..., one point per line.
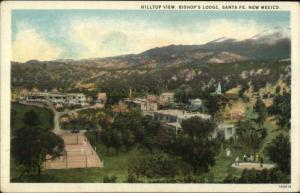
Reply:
x=57, y=129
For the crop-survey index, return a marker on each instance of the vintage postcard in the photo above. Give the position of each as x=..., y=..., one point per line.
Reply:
x=136, y=96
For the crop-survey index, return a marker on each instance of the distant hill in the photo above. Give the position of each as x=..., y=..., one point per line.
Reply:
x=270, y=44
x=254, y=64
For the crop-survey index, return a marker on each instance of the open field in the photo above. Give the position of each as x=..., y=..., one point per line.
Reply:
x=18, y=110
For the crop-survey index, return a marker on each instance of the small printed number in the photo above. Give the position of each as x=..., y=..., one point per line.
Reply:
x=284, y=186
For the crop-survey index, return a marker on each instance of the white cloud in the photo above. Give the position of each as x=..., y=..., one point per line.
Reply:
x=237, y=29
x=138, y=36
x=29, y=44
x=88, y=38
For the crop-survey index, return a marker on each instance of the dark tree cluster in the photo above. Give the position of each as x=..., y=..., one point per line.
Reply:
x=116, y=82
x=193, y=145
x=281, y=109
x=251, y=131
x=196, y=144
x=279, y=151
x=258, y=177
x=131, y=128
x=32, y=145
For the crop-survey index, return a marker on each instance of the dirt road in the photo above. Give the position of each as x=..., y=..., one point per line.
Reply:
x=56, y=124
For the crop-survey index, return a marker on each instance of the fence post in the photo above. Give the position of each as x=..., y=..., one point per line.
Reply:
x=66, y=159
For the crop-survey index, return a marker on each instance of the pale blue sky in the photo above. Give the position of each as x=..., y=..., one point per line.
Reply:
x=100, y=33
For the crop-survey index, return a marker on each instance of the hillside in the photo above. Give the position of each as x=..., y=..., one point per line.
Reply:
x=259, y=61
x=271, y=44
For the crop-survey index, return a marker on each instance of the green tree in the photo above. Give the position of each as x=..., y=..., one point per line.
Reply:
x=250, y=135
x=250, y=114
x=33, y=145
x=182, y=96
x=106, y=138
x=31, y=119
x=152, y=127
x=261, y=111
x=279, y=151
x=110, y=179
x=116, y=139
x=104, y=119
x=129, y=124
x=13, y=119
x=158, y=165
x=281, y=108
x=196, y=144
x=278, y=89
x=214, y=104
x=254, y=176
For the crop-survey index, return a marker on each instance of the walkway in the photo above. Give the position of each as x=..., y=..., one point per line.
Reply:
x=251, y=165
x=78, y=151
x=56, y=120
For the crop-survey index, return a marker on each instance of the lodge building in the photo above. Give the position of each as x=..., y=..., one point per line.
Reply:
x=56, y=98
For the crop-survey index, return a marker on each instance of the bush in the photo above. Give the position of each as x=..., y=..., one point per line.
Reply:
x=264, y=176
x=254, y=176
x=109, y=179
x=132, y=178
x=279, y=151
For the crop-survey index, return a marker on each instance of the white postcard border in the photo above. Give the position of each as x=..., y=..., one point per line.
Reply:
x=6, y=186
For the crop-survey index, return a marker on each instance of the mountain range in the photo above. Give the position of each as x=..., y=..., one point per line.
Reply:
x=274, y=43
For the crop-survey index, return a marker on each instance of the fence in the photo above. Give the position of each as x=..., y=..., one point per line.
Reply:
x=73, y=139
x=78, y=154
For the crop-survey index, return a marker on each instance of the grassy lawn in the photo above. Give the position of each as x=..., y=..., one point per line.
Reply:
x=222, y=167
x=117, y=165
x=113, y=165
x=18, y=111
x=273, y=131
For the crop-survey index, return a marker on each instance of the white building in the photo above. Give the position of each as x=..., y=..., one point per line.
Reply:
x=174, y=117
x=226, y=130
x=68, y=98
x=196, y=104
x=166, y=97
x=142, y=104
x=219, y=89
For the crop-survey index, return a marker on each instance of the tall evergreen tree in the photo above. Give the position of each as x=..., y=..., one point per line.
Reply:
x=261, y=111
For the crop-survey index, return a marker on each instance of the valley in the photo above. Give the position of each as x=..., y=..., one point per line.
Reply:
x=178, y=113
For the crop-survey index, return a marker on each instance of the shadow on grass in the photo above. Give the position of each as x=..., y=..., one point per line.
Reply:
x=44, y=178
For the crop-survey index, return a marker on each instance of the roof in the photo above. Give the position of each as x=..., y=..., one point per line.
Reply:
x=54, y=94
x=182, y=114
x=225, y=125
x=167, y=93
x=196, y=100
